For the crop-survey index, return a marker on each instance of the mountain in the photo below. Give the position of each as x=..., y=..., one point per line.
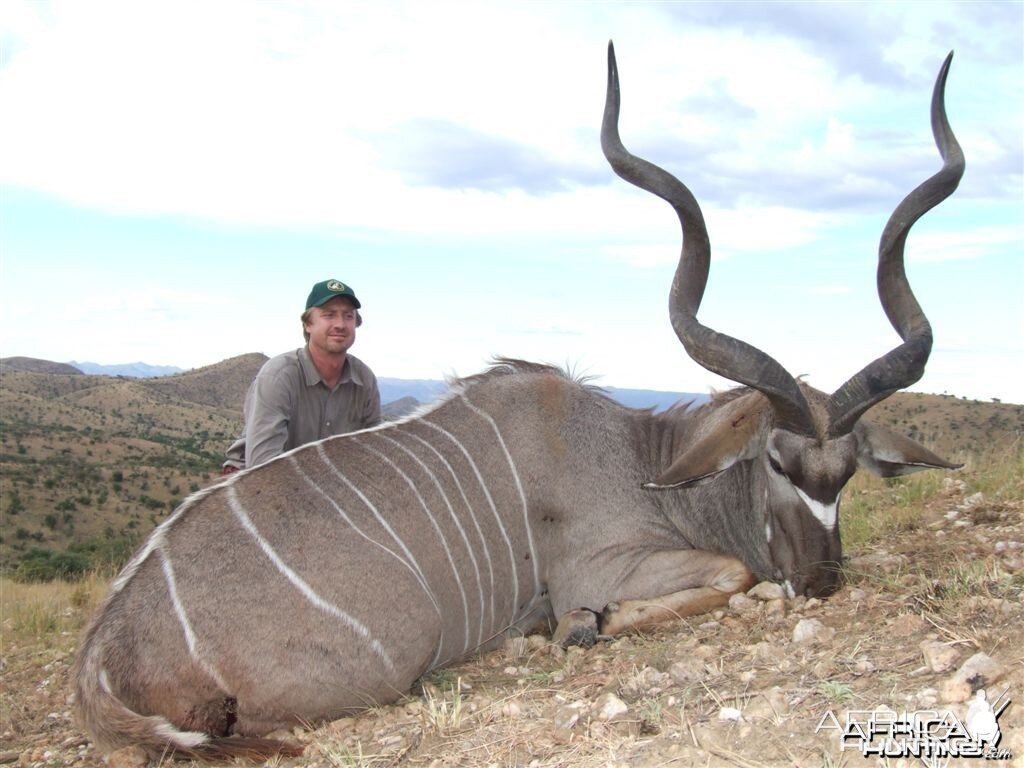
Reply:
x=34, y=365
x=131, y=370
x=422, y=390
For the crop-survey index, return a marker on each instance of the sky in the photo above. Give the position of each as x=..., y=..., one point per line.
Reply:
x=175, y=176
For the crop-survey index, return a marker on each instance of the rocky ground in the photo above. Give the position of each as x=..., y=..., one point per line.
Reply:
x=932, y=612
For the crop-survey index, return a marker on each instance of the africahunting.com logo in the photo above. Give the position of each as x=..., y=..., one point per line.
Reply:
x=934, y=736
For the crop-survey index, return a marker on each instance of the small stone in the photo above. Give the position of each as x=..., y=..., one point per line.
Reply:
x=812, y=602
x=863, y=667
x=511, y=709
x=709, y=625
x=610, y=707
x=765, y=651
x=976, y=673
x=742, y=604
x=730, y=713
x=974, y=500
x=128, y=757
x=687, y=672
x=775, y=609
x=566, y=717
x=939, y=657
x=856, y=595
x=812, y=630
x=536, y=642
x=767, y=591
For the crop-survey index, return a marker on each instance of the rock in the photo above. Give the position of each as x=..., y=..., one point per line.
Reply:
x=767, y=590
x=128, y=757
x=812, y=630
x=536, y=642
x=770, y=705
x=610, y=707
x=863, y=667
x=939, y=657
x=511, y=709
x=976, y=673
x=647, y=682
x=765, y=651
x=568, y=716
x=856, y=595
x=687, y=672
x=974, y=500
x=709, y=625
x=730, y=713
x=742, y=604
x=775, y=609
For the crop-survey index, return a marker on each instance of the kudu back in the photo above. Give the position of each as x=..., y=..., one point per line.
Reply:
x=332, y=577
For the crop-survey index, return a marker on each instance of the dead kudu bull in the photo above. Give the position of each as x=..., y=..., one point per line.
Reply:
x=332, y=577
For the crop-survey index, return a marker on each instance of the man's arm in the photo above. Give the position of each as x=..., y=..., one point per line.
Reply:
x=268, y=408
x=371, y=413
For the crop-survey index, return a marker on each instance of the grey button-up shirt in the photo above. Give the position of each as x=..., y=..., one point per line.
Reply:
x=288, y=405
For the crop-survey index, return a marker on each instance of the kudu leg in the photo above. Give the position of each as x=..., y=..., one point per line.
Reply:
x=708, y=581
x=679, y=583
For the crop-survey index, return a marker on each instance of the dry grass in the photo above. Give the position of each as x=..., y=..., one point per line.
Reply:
x=36, y=611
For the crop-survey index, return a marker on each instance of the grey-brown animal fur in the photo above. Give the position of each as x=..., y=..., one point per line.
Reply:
x=332, y=577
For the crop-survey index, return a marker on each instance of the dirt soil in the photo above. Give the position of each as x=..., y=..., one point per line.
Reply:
x=746, y=686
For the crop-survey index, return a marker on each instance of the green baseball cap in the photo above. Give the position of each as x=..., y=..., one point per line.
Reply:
x=331, y=289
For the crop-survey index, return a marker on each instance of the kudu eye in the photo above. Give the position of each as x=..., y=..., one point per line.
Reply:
x=774, y=464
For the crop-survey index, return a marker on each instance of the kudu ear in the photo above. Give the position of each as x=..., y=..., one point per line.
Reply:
x=890, y=454
x=727, y=436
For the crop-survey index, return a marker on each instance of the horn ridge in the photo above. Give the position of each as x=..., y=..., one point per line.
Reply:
x=722, y=354
x=905, y=364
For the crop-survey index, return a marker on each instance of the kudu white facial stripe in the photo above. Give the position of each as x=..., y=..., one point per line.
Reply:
x=826, y=514
x=458, y=525
x=300, y=584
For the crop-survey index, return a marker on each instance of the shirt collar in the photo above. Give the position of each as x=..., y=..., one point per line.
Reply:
x=350, y=373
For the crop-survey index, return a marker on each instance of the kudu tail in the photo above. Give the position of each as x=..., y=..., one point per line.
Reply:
x=111, y=724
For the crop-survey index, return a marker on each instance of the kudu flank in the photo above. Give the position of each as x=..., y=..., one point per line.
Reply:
x=332, y=577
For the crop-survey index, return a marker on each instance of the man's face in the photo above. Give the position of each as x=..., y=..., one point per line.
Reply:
x=332, y=326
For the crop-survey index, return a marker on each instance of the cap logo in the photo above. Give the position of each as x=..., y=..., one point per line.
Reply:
x=334, y=285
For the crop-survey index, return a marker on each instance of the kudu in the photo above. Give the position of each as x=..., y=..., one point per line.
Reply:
x=332, y=577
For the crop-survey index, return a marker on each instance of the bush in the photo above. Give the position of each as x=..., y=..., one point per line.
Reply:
x=43, y=565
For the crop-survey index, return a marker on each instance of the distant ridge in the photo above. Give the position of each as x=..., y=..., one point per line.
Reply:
x=35, y=365
x=131, y=370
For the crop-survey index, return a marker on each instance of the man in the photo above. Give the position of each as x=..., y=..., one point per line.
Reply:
x=312, y=392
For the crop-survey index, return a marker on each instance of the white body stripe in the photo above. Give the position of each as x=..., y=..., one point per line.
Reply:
x=307, y=591
x=519, y=487
x=485, y=545
x=387, y=527
x=341, y=513
x=494, y=510
x=437, y=530
x=826, y=514
x=462, y=533
x=186, y=625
